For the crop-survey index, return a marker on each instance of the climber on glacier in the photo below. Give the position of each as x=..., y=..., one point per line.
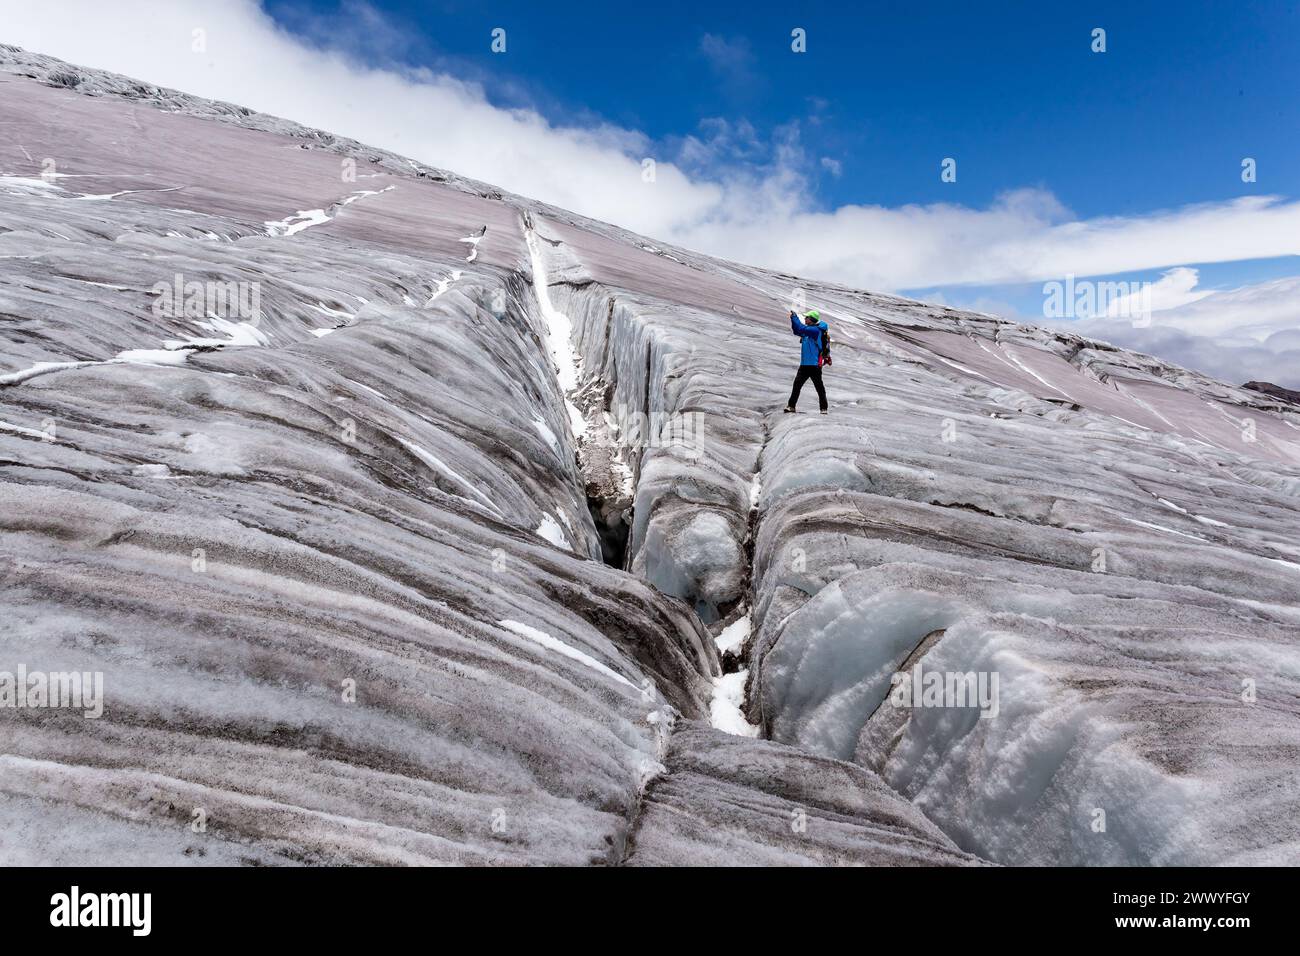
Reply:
x=814, y=352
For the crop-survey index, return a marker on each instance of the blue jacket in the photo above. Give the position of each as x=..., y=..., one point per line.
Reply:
x=810, y=340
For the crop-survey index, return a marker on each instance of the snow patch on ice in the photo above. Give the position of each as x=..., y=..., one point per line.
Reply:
x=176, y=356
x=473, y=242
x=19, y=429
x=40, y=368
x=559, y=328
x=1015, y=360
x=362, y=194
x=559, y=336
x=126, y=192
x=550, y=530
x=151, y=471
x=237, y=334
x=292, y=225
x=550, y=643
x=373, y=391
x=545, y=431
x=959, y=367
x=443, y=285
x=26, y=186
x=306, y=218
x=735, y=634
x=437, y=464
x=1160, y=527
x=725, y=706
x=107, y=285
x=577, y=423
x=336, y=313
x=623, y=475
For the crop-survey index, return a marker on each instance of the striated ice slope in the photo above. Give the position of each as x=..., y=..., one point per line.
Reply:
x=725, y=799
x=340, y=587
x=338, y=556
x=1114, y=538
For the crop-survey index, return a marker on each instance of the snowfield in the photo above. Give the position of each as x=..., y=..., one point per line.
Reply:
x=394, y=572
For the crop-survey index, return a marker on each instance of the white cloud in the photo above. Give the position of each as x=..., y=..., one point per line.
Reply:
x=1025, y=236
x=731, y=60
x=1252, y=332
x=1251, y=314
x=1175, y=288
x=1237, y=364
x=708, y=195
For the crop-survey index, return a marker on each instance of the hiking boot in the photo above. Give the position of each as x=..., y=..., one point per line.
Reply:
x=825, y=412
x=788, y=410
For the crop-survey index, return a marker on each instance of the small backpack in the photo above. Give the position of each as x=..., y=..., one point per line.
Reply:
x=825, y=357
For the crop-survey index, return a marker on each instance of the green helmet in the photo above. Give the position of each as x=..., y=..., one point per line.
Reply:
x=814, y=314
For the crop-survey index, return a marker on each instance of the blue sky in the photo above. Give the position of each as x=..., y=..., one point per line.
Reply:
x=1122, y=165
x=1012, y=90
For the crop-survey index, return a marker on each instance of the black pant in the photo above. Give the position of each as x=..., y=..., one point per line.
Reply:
x=805, y=373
